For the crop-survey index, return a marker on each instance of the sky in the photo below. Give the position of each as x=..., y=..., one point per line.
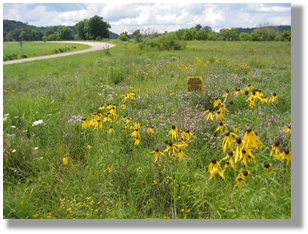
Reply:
x=158, y=16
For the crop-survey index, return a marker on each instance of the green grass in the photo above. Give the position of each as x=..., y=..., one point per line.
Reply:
x=59, y=91
x=35, y=49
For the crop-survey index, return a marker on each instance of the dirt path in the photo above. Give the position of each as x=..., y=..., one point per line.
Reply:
x=95, y=46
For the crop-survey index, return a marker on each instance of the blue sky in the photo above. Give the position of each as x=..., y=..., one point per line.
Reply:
x=159, y=16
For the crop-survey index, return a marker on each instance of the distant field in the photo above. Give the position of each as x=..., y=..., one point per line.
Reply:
x=35, y=49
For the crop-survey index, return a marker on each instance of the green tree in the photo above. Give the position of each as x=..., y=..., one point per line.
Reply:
x=207, y=29
x=201, y=35
x=137, y=36
x=245, y=36
x=81, y=29
x=96, y=27
x=198, y=27
x=123, y=36
x=49, y=30
x=265, y=34
x=65, y=33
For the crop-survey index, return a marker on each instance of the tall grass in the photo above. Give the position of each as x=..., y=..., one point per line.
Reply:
x=62, y=91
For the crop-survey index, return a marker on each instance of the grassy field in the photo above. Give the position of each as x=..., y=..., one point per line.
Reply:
x=35, y=49
x=78, y=136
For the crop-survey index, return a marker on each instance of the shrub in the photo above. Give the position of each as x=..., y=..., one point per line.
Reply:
x=164, y=42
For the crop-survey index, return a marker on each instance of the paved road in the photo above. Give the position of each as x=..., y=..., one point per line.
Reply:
x=95, y=46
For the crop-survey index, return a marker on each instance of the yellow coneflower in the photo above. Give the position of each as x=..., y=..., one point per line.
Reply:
x=113, y=111
x=180, y=154
x=171, y=93
x=251, y=140
x=238, y=91
x=6, y=90
x=264, y=99
x=228, y=141
x=259, y=93
x=240, y=180
x=123, y=106
x=274, y=98
x=85, y=123
x=249, y=87
x=137, y=141
x=171, y=149
x=89, y=146
x=219, y=116
x=181, y=144
x=210, y=114
x=174, y=132
x=151, y=130
x=109, y=168
x=238, y=150
x=286, y=154
x=64, y=160
x=157, y=153
x=235, y=129
x=230, y=157
x=111, y=130
x=268, y=168
x=136, y=133
x=217, y=102
x=124, y=129
x=107, y=118
x=252, y=99
x=215, y=168
x=223, y=109
x=136, y=125
x=226, y=93
x=102, y=107
x=288, y=129
x=247, y=156
x=275, y=150
x=221, y=127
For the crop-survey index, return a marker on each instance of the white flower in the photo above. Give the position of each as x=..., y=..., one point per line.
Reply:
x=37, y=122
x=13, y=126
x=14, y=150
x=36, y=148
x=16, y=117
x=7, y=114
x=4, y=118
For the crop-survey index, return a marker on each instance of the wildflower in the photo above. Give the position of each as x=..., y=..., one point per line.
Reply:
x=251, y=140
x=264, y=99
x=210, y=114
x=171, y=93
x=226, y=93
x=174, y=132
x=238, y=91
x=286, y=154
x=35, y=123
x=136, y=125
x=109, y=168
x=85, y=123
x=238, y=150
x=274, y=98
x=214, y=168
x=186, y=135
x=157, y=154
x=113, y=111
x=180, y=154
x=259, y=93
x=275, y=150
x=124, y=129
x=231, y=163
x=107, y=118
x=219, y=116
x=181, y=144
x=249, y=87
x=217, y=102
x=136, y=133
x=64, y=160
x=221, y=127
x=123, y=106
x=111, y=130
x=235, y=129
x=89, y=146
x=245, y=153
x=252, y=99
x=151, y=130
x=240, y=180
x=171, y=148
x=268, y=169
x=6, y=90
x=137, y=141
x=228, y=141
x=288, y=129
x=102, y=107
x=223, y=109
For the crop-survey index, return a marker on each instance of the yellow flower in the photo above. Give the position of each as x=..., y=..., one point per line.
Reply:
x=264, y=99
x=111, y=130
x=288, y=129
x=221, y=127
x=274, y=98
x=137, y=141
x=85, y=123
x=228, y=141
x=181, y=144
x=151, y=130
x=231, y=163
x=247, y=156
x=240, y=180
x=252, y=99
x=223, y=109
x=180, y=154
x=249, y=87
x=286, y=154
x=226, y=93
x=157, y=154
x=171, y=93
x=64, y=160
x=89, y=146
x=238, y=150
x=275, y=150
x=210, y=114
x=174, y=132
x=215, y=168
x=123, y=106
x=136, y=133
x=109, y=168
x=251, y=140
x=217, y=102
x=268, y=168
x=171, y=148
x=219, y=116
x=136, y=125
x=235, y=129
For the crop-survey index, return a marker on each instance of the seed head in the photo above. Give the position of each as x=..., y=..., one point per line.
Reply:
x=238, y=140
x=277, y=143
x=239, y=178
x=173, y=127
x=274, y=94
x=245, y=173
x=228, y=163
x=230, y=153
x=170, y=143
x=231, y=103
x=166, y=141
x=266, y=165
x=243, y=151
x=213, y=160
x=246, y=92
x=248, y=129
x=156, y=150
x=286, y=151
x=227, y=133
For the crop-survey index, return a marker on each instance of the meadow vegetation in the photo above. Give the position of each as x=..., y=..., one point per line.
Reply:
x=116, y=135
